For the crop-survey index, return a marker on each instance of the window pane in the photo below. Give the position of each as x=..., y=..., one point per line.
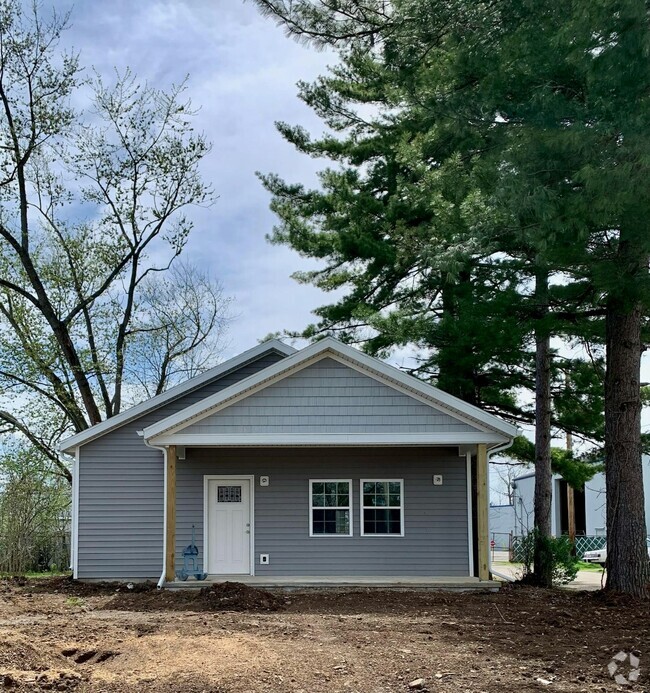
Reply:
x=228, y=494
x=343, y=487
x=331, y=521
x=317, y=487
x=343, y=499
x=343, y=522
x=381, y=500
x=382, y=521
x=330, y=487
x=318, y=521
x=394, y=487
x=368, y=487
x=330, y=501
x=394, y=500
x=318, y=500
x=381, y=487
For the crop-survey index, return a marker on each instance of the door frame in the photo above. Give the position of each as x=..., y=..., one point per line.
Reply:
x=251, y=502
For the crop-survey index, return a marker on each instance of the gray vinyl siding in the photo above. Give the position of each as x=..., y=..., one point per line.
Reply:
x=435, y=541
x=329, y=397
x=121, y=492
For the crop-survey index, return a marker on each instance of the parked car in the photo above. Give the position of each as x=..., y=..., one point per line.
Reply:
x=600, y=556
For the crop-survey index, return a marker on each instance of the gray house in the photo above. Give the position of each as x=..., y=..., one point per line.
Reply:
x=320, y=463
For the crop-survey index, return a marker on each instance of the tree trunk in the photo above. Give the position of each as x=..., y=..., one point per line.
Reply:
x=455, y=375
x=542, y=571
x=628, y=568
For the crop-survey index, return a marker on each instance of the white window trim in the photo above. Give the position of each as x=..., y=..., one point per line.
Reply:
x=349, y=507
x=363, y=507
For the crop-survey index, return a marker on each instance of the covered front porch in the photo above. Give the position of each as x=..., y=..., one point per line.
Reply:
x=443, y=543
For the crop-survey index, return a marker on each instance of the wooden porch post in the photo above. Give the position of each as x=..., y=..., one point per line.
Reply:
x=482, y=512
x=170, y=503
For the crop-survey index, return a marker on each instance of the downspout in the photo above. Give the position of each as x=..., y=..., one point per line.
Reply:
x=490, y=452
x=161, y=581
x=74, y=529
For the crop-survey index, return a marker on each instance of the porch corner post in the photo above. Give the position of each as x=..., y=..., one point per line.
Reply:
x=482, y=502
x=170, y=505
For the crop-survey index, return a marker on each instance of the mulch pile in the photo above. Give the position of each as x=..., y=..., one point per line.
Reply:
x=235, y=596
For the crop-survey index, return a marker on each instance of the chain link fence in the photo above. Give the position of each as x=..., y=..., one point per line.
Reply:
x=583, y=543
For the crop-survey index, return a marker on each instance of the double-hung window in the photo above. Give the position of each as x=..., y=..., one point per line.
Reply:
x=330, y=511
x=382, y=507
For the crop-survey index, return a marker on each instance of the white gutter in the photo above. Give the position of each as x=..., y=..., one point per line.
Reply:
x=161, y=581
x=490, y=452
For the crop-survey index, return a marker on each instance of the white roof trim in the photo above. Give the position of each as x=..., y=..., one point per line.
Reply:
x=325, y=439
x=69, y=444
x=315, y=352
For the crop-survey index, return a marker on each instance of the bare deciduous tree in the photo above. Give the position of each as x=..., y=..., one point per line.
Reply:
x=93, y=209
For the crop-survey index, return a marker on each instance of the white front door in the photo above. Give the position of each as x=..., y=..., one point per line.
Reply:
x=229, y=526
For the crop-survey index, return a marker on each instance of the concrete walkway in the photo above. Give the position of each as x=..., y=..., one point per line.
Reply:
x=347, y=582
x=586, y=579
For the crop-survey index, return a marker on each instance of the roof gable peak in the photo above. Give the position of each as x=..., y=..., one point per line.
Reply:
x=347, y=355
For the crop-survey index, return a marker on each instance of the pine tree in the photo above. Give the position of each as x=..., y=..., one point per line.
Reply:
x=508, y=138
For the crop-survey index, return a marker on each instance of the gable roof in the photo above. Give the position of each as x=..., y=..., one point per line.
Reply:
x=135, y=412
x=372, y=367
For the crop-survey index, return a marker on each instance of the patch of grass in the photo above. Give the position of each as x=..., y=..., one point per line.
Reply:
x=75, y=601
x=34, y=575
x=593, y=567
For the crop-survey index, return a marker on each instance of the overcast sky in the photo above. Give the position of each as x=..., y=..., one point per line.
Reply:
x=242, y=74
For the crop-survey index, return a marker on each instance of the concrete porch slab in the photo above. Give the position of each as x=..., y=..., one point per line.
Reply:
x=344, y=582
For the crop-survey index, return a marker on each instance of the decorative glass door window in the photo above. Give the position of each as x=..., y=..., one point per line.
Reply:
x=228, y=494
x=382, y=507
x=330, y=508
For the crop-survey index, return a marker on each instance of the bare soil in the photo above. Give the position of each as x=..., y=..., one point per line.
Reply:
x=59, y=635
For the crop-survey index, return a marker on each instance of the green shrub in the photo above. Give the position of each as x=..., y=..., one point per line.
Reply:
x=557, y=558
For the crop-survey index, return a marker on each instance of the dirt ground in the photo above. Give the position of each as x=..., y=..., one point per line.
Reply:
x=58, y=635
